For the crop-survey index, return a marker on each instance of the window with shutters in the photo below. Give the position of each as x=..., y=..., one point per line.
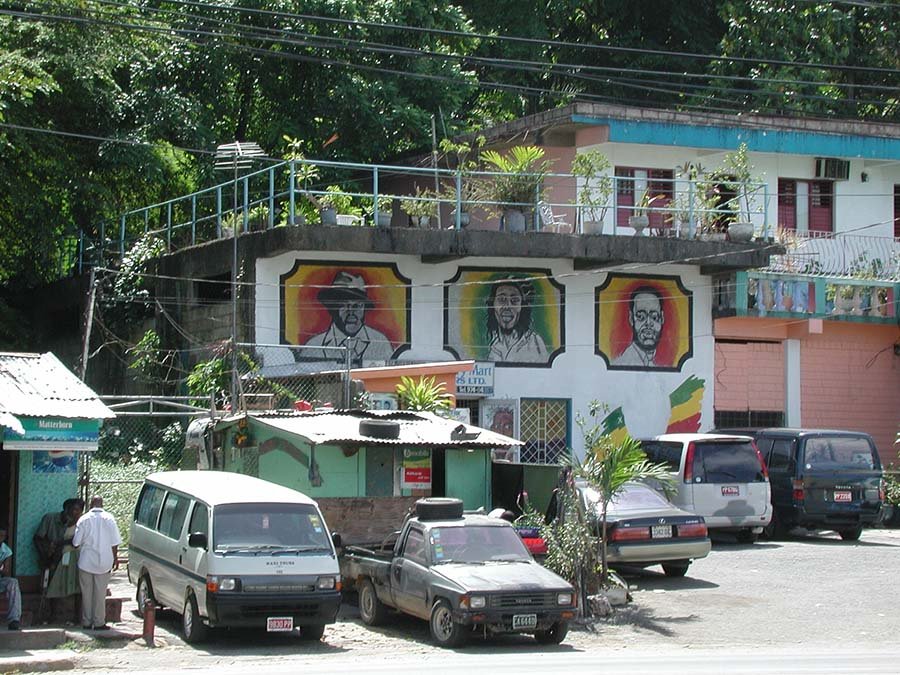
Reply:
x=631, y=184
x=806, y=205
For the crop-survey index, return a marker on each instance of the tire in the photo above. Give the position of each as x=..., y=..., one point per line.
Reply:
x=747, y=537
x=379, y=429
x=312, y=633
x=444, y=630
x=439, y=508
x=191, y=624
x=144, y=592
x=371, y=610
x=675, y=569
x=553, y=635
x=851, y=534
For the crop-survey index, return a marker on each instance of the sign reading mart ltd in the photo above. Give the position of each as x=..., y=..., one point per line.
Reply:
x=54, y=433
x=476, y=382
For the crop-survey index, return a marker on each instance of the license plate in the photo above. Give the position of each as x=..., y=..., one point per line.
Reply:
x=661, y=532
x=843, y=496
x=280, y=624
x=731, y=491
x=524, y=621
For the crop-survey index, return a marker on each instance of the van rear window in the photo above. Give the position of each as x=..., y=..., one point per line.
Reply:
x=727, y=462
x=839, y=452
x=252, y=528
x=663, y=452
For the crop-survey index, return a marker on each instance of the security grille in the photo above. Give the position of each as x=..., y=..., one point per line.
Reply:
x=544, y=429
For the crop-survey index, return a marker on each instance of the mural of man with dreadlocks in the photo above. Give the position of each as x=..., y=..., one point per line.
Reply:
x=512, y=338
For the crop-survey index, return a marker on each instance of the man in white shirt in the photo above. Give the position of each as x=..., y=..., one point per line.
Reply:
x=97, y=538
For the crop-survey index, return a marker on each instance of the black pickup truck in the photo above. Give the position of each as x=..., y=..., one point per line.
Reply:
x=461, y=573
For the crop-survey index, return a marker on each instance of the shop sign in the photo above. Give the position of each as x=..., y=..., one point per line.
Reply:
x=476, y=382
x=416, y=469
x=54, y=434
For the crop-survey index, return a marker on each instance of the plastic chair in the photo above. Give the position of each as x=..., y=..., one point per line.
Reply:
x=343, y=219
x=550, y=222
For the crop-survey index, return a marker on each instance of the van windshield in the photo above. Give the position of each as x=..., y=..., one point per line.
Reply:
x=836, y=452
x=727, y=462
x=256, y=528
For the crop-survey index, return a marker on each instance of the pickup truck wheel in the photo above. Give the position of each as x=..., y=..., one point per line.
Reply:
x=851, y=534
x=371, y=610
x=313, y=632
x=445, y=631
x=553, y=635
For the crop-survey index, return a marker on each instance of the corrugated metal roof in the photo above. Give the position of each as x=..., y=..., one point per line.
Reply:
x=416, y=429
x=39, y=385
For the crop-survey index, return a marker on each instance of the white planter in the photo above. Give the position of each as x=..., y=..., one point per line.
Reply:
x=328, y=216
x=384, y=219
x=638, y=223
x=740, y=232
x=463, y=219
x=592, y=226
x=513, y=221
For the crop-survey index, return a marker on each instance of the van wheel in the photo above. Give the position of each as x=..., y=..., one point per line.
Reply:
x=191, y=623
x=852, y=534
x=675, y=569
x=553, y=635
x=312, y=633
x=371, y=610
x=747, y=537
x=445, y=631
x=144, y=593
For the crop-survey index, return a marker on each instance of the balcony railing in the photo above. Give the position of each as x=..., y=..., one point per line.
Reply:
x=292, y=192
x=849, y=256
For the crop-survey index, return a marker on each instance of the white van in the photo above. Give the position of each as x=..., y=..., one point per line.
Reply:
x=720, y=477
x=226, y=549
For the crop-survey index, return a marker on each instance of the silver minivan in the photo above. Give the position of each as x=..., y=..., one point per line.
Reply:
x=226, y=549
x=720, y=477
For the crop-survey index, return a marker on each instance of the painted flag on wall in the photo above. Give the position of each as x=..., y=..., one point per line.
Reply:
x=614, y=425
x=686, y=403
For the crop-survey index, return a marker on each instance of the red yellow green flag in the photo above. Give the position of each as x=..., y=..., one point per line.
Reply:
x=686, y=402
x=614, y=425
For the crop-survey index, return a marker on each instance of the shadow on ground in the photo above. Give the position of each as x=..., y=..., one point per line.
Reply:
x=644, y=618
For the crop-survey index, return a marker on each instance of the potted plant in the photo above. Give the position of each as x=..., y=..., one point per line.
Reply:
x=421, y=208
x=739, y=178
x=333, y=202
x=463, y=163
x=640, y=216
x=385, y=210
x=304, y=173
x=596, y=190
x=517, y=184
x=692, y=200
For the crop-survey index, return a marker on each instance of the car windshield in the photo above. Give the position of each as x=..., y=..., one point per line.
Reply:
x=268, y=527
x=632, y=496
x=727, y=462
x=835, y=452
x=475, y=544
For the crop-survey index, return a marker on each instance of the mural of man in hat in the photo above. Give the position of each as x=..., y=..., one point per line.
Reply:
x=347, y=302
x=512, y=337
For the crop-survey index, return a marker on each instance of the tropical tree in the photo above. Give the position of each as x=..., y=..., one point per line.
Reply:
x=424, y=394
x=608, y=465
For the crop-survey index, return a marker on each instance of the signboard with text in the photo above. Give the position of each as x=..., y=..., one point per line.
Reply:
x=54, y=434
x=416, y=469
x=476, y=382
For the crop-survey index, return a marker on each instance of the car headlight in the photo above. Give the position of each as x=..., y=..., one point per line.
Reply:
x=476, y=602
x=326, y=583
x=563, y=598
x=227, y=584
x=216, y=584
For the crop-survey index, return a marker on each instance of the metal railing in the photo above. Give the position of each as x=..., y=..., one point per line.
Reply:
x=825, y=254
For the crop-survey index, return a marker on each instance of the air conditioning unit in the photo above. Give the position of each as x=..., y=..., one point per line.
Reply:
x=832, y=169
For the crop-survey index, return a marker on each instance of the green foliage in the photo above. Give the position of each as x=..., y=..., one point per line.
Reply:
x=595, y=192
x=523, y=169
x=131, y=292
x=336, y=197
x=424, y=205
x=424, y=394
x=570, y=540
x=149, y=361
x=120, y=498
x=209, y=378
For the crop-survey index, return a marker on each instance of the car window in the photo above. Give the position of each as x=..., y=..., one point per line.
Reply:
x=781, y=458
x=174, y=510
x=415, y=546
x=765, y=447
x=663, y=452
x=726, y=462
x=147, y=509
x=839, y=452
x=199, y=520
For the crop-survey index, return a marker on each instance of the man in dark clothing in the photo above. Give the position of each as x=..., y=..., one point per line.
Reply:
x=50, y=539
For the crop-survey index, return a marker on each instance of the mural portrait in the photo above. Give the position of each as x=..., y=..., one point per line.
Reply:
x=643, y=323
x=501, y=416
x=509, y=317
x=364, y=306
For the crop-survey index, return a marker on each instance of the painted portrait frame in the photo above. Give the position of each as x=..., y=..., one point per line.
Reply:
x=334, y=267
x=490, y=406
x=678, y=307
x=517, y=274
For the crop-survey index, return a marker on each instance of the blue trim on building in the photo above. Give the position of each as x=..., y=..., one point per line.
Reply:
x=758, y=140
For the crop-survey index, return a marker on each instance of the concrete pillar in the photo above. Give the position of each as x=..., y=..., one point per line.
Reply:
x=792, y=383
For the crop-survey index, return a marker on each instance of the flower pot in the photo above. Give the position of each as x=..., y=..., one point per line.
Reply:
x=328, y=215
x=463, y=219
x=513, y=220
x=740, y=232
x=592, y=227
x=384, y=219
x=423, y=222
x=638, y=223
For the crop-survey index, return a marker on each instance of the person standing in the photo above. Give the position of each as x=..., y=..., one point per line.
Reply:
x=97, y=539
x=52, y=540
x=64, y=579
x=9, y=586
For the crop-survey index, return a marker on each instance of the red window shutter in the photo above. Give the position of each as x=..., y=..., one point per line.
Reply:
x=787, y=204
x=820, y=203
x=661, y=185
x=624, y=195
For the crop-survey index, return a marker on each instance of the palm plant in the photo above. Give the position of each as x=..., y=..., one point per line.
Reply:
x=607, y=467
x=519, y=176
x=424, y=395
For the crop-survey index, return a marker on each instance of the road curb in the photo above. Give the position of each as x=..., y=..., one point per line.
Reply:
x=38, y=661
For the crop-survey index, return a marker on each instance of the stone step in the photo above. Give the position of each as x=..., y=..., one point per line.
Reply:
x=37, y=661
x=63, y=610
x=31, y=638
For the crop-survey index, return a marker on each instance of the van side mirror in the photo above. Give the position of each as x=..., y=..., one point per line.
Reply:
x=198, y=540
x=336, y=539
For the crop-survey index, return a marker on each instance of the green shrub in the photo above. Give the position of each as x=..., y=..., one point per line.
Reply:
x=119, y=498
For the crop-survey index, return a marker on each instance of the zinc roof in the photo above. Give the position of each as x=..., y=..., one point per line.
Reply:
x=39, y=385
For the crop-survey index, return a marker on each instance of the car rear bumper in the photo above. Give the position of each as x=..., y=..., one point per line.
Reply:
x=252, y=609
x=835, y=518
x=653, y=552
x=738, y=522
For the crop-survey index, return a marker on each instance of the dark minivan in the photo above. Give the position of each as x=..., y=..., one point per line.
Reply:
x=822, y=479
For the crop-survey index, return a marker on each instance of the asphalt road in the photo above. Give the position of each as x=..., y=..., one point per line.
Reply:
x=810, y=604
